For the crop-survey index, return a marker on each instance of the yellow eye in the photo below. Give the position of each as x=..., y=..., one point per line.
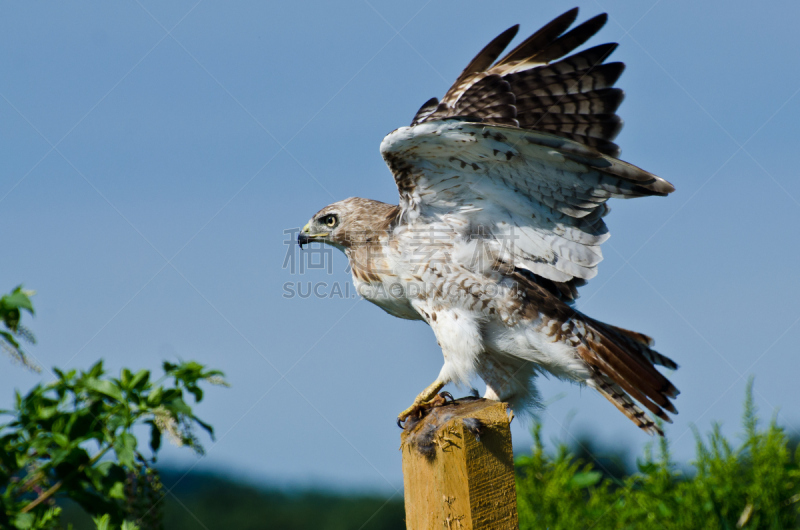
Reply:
x=331, y=221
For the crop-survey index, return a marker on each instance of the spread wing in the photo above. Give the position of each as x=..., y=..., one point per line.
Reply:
x=519, y=154
x=572, y=97
x=535, y=200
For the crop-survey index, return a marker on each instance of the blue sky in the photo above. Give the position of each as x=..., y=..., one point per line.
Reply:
x=153, y=155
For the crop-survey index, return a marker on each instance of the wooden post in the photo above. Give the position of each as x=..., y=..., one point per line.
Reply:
x=458, y=468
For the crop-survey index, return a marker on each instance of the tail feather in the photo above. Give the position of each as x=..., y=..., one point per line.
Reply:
x=630, y=365
x=623, y=370
x=643, y=344
x=623, y=402
x=629, y=382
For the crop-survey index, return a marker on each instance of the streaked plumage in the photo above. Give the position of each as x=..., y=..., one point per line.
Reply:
x=503, y=188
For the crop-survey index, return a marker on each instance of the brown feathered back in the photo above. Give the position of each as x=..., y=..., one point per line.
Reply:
x=572, y=97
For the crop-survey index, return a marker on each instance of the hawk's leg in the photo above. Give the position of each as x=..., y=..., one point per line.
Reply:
x=460, y=336
x=425, y=400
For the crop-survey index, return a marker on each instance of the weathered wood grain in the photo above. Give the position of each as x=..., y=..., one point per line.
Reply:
x=457, y=475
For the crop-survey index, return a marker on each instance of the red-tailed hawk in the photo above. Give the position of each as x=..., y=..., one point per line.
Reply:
x=503, y=188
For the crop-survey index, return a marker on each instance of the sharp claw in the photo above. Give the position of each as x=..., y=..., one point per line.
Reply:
x=419, y=409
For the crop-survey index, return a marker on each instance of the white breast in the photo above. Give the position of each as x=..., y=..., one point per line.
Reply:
x=391, y=296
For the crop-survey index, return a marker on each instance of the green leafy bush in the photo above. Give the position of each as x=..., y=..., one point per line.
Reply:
x=753, y=485
x=59, y=432
x=74, y=438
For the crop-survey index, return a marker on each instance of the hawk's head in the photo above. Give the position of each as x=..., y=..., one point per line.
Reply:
x=349, y=222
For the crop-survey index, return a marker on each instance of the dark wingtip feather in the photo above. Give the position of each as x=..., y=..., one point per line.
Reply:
x=572, y=39
x=543, y=37
x=489, y=54
x=519, y=90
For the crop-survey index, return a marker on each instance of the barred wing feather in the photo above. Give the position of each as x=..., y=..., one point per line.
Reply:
x=572, y=97
x=536, y=198
x=521, y=148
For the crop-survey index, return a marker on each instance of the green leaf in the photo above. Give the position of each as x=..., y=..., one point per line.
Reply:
x=585, y=479
x=61, y=439
x=117, y=491
x=125, y=377
x=45, y=413
x=140, y=379
x=124, y=447
x=10, y=338
x=24, y=521
x=197, y=392
x=102, y=522
x=104, y=387
x=154, y=398
x=178, y=406
x=18, y=299
x=96, y=370
x=205, y=426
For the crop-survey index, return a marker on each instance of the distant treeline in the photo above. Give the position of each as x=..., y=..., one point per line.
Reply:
x=205, y=501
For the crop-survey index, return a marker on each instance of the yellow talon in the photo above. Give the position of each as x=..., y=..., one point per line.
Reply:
x=424, y=397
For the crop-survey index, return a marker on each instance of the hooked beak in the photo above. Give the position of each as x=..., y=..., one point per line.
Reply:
x=303, y=239
x=305, y=236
